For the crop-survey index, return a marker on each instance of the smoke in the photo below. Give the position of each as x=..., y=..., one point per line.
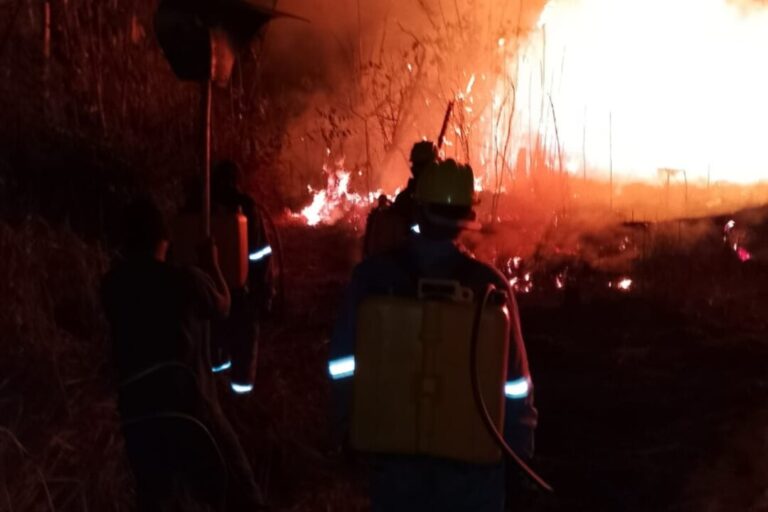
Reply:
x=368, y=79
x=364, y=80
x=749, y=5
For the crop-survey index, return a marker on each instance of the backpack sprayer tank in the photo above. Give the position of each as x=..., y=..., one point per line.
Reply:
x=230, y=232
x=413, y=391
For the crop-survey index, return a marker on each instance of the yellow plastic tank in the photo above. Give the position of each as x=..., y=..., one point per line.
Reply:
x=412, y=384
x=229, y=230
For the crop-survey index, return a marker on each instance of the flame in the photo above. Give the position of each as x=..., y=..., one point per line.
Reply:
x=643, y=86
x=654, y=91
x=335, y=202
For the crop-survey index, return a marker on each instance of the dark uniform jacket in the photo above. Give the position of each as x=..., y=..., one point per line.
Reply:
x=421, y=483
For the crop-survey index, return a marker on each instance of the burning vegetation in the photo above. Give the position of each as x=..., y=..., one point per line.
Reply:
x=620, y=180
x=648, y=127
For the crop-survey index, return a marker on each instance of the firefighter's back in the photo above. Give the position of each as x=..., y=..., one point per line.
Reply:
x=414, y=349
x=419, y=481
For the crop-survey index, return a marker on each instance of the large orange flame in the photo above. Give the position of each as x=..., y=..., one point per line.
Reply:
x=647, y=88
x=663, y=92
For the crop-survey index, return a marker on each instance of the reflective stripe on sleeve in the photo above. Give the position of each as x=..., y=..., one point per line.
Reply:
x=518, y=388
x=261, y=253
x=241, y=389
x=222, y=367
x=342, y=368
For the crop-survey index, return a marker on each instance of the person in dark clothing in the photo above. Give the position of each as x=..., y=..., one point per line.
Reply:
x=389, y=224
x=413, y=482
x=158, y=313
x=235, y=339
x=423, y=154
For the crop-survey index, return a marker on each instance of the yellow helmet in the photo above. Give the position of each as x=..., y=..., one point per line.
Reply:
x=446, y=183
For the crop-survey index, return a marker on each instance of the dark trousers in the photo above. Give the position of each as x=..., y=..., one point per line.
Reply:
x=235, y=339
x=193, y=458
x=242, y=491
x=417, y=484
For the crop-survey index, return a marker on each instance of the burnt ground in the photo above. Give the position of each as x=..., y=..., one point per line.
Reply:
x=643, y=407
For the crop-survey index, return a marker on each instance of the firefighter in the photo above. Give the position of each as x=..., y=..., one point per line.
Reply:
x=389, y=224
x=157, y=314
x=402, y=482
x=423, y=154
x=235, y=339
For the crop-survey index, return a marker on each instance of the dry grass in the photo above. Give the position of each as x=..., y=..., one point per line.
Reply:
x=60, y=444
x=60, y=447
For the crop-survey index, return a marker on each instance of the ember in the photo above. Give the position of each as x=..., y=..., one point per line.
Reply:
x=743, y=254
x=623, y=285
x=734, y=239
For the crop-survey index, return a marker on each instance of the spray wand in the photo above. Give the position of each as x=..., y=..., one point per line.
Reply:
x=444, y=128
x=482, y=407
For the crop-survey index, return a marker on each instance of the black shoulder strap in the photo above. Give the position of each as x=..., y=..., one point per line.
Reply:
x=463, y=270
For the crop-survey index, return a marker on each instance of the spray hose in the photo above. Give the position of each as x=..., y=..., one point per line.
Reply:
x=480, y=401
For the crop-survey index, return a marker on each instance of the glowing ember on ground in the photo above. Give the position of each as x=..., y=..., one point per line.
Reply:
x=733, y=238
x=624, y=284
x=743, y=254
x=524, y=285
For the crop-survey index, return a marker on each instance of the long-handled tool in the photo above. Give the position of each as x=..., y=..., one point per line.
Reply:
x=444, y=128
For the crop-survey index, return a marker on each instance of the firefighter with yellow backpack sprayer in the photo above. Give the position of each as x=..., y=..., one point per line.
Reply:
x=429, y=370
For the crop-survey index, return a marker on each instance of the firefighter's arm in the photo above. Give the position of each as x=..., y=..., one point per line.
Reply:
x=260, y=256
x=341, y=357
x=520, y=414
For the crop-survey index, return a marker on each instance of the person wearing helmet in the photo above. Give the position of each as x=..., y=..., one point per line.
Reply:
x=388, y=224
x=444, y=198
x=423, y=154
